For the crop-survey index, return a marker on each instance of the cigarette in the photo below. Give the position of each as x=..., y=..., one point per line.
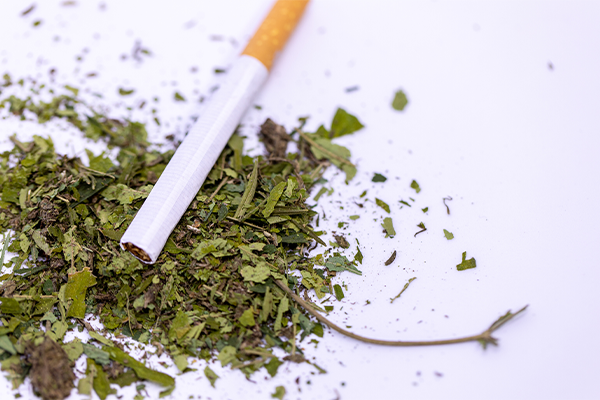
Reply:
x=195, y=157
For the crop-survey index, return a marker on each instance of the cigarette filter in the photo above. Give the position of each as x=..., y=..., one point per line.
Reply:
x=195, y=157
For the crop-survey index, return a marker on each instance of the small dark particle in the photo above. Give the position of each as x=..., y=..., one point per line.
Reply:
x=391, y=259
x=551, y=66
x=438, y=374
x=91, y=75
x=28, y=10
x=220, y=70
x=37, y=23
x=352, y=89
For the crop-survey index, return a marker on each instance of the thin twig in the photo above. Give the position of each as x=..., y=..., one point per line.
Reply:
x=223, y=182
x=444, y=201
x=485, y=337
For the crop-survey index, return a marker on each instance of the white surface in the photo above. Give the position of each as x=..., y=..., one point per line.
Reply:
x=195, y=157
x=513, y=142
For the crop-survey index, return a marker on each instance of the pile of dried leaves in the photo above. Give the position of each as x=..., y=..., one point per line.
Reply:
x=214, y=290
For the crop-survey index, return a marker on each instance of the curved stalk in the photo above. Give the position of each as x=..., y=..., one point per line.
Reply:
x=484, y=338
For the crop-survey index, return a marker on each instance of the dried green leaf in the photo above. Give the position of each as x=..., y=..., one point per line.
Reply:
x=415, y=186
x=140, y=369
x=378, y=178
x=344, y=124
x=76, y=290
x=388, y=226
x=466, y=264
x=273, y=199
x=383, y=205
x=210, y=375
x=279, y=393
x=339, y=293
x=341, y=263
x=448, y=235
x=400, y=101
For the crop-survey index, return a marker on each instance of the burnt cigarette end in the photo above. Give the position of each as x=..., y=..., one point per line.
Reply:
x=137, y=252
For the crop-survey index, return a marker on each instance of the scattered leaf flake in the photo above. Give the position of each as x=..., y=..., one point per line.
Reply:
x=378, y=178
x=210, y=374
x=400, y=101
x=466, y=264
x=279, y=393
x=388, y=226
x=382, y=204
x=415, y=186
x=344, y=124
x=448, y=235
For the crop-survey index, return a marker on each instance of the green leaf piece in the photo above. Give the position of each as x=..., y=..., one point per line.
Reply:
x=383, y=205
x=415, y=186
x=99, y=163
x=247, y=317
x=448, y=235
x=273, y=199
x=400, y=101
x=339, y=293
x=279, y=393
x=255, y=274
x=98, y=355
x=140, y=369
x=388, y=226
x=378, y=178
x=76, y=290
x=178, y=97
x=344, y=124
x=466, y=264
x=341, y=263
x=210, y=375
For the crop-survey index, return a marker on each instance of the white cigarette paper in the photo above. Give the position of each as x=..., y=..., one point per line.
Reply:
x=193, y=160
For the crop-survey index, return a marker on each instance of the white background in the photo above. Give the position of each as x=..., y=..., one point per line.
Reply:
x=513, y=141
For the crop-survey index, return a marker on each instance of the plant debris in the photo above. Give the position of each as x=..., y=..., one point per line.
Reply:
x=423, y=229
x=466, y=264
x=226, y=285
x=213, y=289
x=415, y=186
x=400, y=101
x=391, y=259
x=448, y=235
x=444, y=201
x=378, y=178
x=403, y=289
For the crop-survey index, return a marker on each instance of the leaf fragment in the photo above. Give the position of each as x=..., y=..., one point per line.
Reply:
x=466, y=264
x=448, y=235
x=400, y=101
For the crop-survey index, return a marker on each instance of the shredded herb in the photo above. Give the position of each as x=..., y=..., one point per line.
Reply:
x=403, y=289
x=466, y=264
x=415, y=186
x=378, y=178
x=400, y=101
x=448, y=235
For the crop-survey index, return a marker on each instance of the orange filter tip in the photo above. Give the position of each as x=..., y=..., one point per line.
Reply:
x=275, y=30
